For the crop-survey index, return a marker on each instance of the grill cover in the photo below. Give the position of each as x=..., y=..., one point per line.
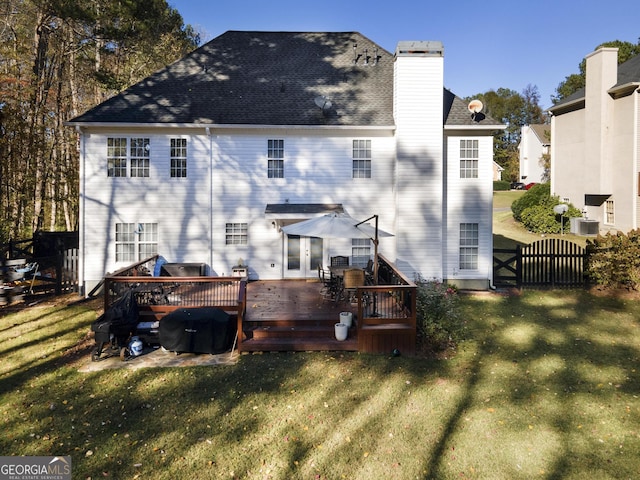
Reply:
x=121, y=316
x=196, y=330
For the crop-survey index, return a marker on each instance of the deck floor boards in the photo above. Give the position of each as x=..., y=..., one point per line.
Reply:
x=291, y=300
x=292, y=315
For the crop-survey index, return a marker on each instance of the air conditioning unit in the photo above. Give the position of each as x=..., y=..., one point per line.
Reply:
x=582, y=226
x=589, y=227
x=575, y=225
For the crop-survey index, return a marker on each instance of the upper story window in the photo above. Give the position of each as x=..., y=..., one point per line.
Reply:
x=123, y=152
x=362, y=159
x=139, y=157
x=178, y=157
x=469, y=158
x=275, y=158
x=236, y=234
x=117, y=157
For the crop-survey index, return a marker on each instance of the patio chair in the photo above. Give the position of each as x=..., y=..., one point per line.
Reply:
x=328, y=289
x=340, y=261
x=368, y=272
x=353, y=278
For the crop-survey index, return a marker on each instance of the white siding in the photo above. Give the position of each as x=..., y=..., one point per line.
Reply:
x=469, y=200
x=419, y=182
x=317, y=169
x=531, y=152
x=233, y=167
x=178, y=205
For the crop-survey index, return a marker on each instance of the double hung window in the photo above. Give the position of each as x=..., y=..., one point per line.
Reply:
x=178, y=156
x=136, y=241
x=275, y=158
x=361, y=158
x=469, y=158
x=127, y=152
x=468, y=246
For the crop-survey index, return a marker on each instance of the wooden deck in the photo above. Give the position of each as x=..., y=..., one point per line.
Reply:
x=291, y=315
x=284, y=315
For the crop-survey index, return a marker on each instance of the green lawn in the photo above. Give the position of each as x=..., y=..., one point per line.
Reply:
x=546, y=385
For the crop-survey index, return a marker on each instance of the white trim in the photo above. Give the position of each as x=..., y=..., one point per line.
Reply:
x=205, y=126
x=475, y=127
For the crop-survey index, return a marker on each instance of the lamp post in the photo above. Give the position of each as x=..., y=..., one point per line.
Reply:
x=561, y=209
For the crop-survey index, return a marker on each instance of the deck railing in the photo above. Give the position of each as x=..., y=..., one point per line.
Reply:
x=387, y=312
x=157, y=296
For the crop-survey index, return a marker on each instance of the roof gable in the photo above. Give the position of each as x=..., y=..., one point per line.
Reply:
x=273, y=78
x=456, y=113
x=263, y=78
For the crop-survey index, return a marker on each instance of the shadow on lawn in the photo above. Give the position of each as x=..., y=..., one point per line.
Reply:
x=545, y=366
x=525, y=396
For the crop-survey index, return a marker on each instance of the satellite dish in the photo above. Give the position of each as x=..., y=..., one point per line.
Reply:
x=475, y=106
x=323, y=102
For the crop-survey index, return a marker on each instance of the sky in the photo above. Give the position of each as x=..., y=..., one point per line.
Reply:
x=488, y=44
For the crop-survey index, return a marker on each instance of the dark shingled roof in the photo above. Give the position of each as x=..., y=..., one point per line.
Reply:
x=456, y=113
x=270, y=78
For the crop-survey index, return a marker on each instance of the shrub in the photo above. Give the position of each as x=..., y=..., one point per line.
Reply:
x=535, y=211
x=537, y=195
x=439, y=320
x=613, y=260
x=500, y=185
x=540, y=219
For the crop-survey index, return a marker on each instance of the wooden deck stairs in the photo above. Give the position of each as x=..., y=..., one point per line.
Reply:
x=299, y=335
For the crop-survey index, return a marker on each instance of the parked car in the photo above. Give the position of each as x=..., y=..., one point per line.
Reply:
x=517, y=186
x=529, y=185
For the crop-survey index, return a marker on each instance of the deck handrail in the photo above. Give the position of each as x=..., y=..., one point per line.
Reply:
x=390, y=306
x=163, y=294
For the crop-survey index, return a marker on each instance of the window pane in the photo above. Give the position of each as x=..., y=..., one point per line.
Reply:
x=139, y=157
x=116, y=157
x=236, y=233
x=125, y=242
x=469, y=156
x=468, y=246
x=293, y=252
x=609, y=217
x=361, y=155
x=275, y=158
x=179, y=157
x=360, y=251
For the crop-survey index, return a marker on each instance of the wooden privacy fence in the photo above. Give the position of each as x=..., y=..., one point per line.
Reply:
x=48, y=262
x=551, y=262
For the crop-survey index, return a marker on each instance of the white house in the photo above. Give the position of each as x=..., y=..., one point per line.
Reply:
x=595, y=143
x=205, y=160
x=535, y=141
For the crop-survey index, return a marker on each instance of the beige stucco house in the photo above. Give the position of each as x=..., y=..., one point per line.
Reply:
x=595, y=143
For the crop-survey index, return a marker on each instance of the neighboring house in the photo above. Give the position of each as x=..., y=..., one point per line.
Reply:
x=497, y=171
x=535, y=141
x=595, y=143
x=205, y=160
